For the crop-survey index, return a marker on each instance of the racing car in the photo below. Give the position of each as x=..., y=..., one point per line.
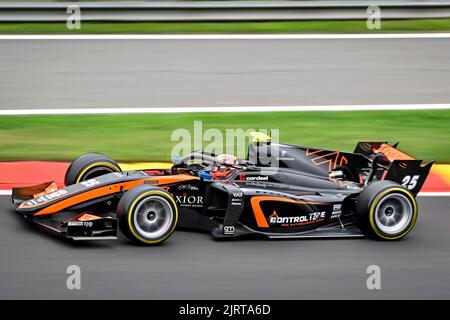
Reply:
x=310, y=193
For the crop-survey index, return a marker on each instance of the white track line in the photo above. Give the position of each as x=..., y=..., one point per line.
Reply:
x=227, y=36
x=441, y=106
x=421, y=194
x=434, y=194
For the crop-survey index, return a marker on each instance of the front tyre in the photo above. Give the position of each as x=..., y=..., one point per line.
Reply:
x=386, y=211
x=147, y=214
x=89, y=166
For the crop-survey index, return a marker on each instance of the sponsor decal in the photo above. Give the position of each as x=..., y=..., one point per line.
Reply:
x=186, y=200
x=295, y=221
x=236, y=199
x=228, y=230
x=90, y=183
x=88, y=224
x=286, y=159
x=262, y=185
x=336, y=213
x=46, y=197
x=75, y=223
x=283, y=158
x=189, y=187
x=253, y=178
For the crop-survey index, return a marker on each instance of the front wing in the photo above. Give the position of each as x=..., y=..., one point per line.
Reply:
x=79, y=226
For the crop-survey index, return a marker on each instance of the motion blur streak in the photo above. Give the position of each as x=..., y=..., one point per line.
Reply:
x=77, y=74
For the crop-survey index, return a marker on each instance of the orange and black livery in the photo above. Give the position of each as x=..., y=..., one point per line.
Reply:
x=302, y=192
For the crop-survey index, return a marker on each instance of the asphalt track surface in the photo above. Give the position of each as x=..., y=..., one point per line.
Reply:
x=193, y=266
x=221, y=73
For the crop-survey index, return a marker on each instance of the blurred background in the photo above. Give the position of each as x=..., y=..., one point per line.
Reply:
x=221, y=55
x=224, y=16
x=222, y=73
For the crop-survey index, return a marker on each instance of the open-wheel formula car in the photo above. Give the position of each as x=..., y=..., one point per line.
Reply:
x=311, y=193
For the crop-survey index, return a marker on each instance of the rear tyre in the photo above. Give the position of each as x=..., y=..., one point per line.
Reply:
x=89, y=166
x=147, y=214
x=386, y=211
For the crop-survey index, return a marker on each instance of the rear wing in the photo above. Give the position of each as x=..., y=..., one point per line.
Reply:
x=398, y=166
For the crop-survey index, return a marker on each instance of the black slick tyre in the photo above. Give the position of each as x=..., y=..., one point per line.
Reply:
x=147, y=214
x=386, y=211
x=89, y=166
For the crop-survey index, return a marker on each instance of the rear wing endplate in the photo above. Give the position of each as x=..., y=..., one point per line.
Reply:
x=409, y=173
x=401, y=167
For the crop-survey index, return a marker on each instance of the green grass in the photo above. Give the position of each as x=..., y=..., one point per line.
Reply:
x=145, y=137
x=425, y=25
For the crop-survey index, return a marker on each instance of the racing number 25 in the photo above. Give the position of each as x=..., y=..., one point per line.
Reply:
x=410, y=182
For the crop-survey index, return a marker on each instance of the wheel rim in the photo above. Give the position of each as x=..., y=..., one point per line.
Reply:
x=96, y=172
x=153, y=217
x=393, y=214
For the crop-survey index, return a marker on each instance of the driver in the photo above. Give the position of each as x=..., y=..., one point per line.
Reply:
x=226, y=159
x=221, y=172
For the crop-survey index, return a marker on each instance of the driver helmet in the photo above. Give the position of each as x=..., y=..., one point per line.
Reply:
x=226, y=158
